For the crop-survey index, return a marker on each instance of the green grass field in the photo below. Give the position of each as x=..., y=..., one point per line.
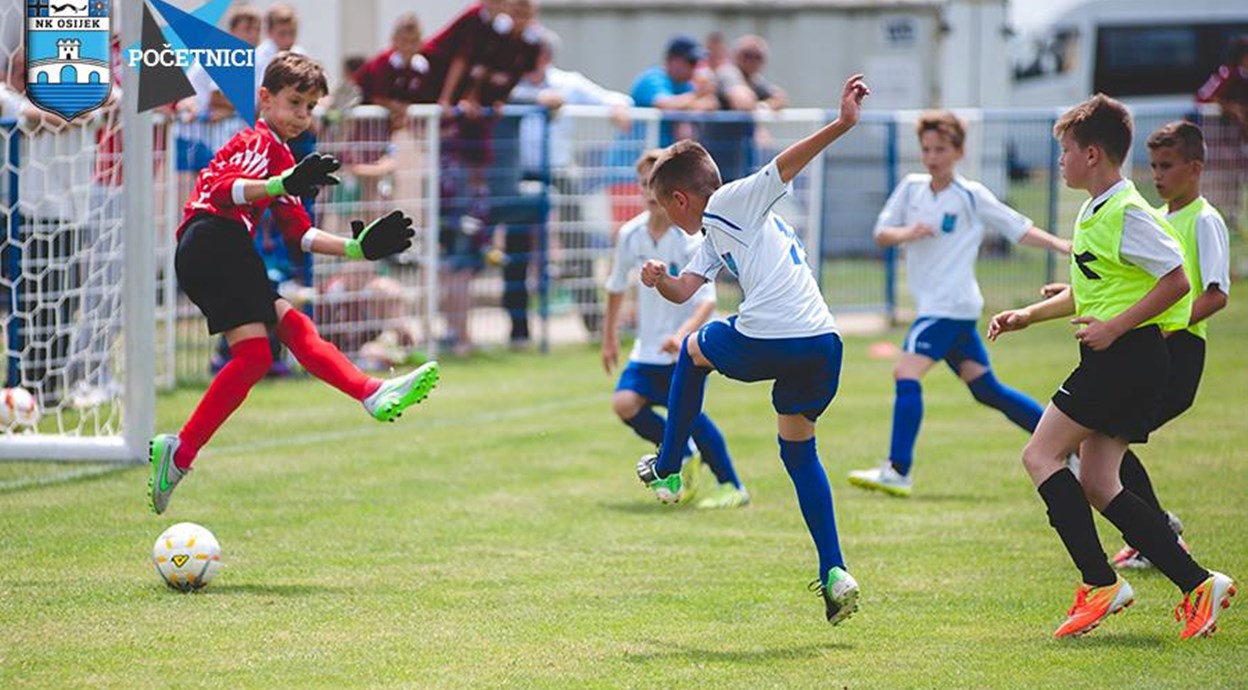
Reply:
x=496, y=536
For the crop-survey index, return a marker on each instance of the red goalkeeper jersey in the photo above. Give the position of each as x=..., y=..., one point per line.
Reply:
x=252, y=154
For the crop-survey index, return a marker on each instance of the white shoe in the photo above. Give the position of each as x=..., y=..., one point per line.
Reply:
x=883, y=478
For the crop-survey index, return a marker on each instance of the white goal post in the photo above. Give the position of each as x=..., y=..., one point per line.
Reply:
x=79, y=279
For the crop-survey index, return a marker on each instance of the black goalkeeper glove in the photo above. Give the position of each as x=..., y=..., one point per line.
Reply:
x=306, y=178
x=389, y=235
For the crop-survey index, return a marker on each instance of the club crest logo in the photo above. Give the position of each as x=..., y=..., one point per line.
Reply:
x=68, y=70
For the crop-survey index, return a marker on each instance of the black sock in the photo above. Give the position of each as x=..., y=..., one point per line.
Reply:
x=1135, y=479
x=1146, y=530
x=1071, y=516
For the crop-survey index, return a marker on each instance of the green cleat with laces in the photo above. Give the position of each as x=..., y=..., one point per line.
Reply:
x=387, y=403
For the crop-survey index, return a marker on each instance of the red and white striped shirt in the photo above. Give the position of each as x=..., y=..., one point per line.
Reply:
x=252, y=154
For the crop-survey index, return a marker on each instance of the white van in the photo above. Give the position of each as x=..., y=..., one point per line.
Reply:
x=1139, y=51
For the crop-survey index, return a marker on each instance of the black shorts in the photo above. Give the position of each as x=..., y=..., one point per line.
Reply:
x=1118, y=391
x=219, y=269
x=1187, y=364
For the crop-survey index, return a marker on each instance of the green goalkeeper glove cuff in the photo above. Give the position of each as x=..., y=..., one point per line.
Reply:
x=276, y=185
x=354, y=250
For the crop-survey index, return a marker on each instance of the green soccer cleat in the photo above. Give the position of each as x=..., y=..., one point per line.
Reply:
x=689, y=473
x=668, y=489
x=726, y=495
x=165, y=475
x=840, y=595
x=396, y=395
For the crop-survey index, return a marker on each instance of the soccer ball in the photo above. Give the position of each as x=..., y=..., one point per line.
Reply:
x=187, y=556
x=18, y=408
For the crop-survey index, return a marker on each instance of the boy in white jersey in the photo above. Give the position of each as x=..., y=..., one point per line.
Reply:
x=941, y=218
x=1176, y=154
x=661, y=327
x=1128, y=286
x=783, y=332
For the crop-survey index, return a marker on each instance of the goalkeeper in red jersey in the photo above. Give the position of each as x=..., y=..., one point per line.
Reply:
x=219, y=269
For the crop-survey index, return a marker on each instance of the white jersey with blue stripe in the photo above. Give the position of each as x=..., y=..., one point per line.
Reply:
x=657, y=318
x=941, y=269
x=743, y=235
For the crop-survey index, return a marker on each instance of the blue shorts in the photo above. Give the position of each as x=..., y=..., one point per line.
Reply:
x=806, y=371
x=953, y=340
x=650, y=381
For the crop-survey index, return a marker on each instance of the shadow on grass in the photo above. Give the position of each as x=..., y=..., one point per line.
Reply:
x=647, y=506
x=1100, y=643
x=682, y=653
x=273, y=590
x=72, y=474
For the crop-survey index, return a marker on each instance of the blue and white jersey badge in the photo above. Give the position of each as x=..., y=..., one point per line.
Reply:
x=68, y=66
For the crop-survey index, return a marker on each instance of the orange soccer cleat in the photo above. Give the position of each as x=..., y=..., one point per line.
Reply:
x=1200, y=607
x=1093, y=605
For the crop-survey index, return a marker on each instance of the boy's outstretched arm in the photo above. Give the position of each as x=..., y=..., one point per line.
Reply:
x=1035, y=237
x=1057, y=306
x=792, y=160
x=679, y=289
x=389, y=235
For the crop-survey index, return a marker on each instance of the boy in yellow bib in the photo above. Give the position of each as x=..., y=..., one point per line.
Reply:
x=1128, y=285
x=1176, y=154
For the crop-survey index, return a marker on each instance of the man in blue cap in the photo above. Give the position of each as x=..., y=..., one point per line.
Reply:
x=680, y=83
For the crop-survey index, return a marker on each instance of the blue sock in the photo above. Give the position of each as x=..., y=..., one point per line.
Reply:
x=648, y=425
x=1019, y=408
x=714, y=450
x=907, y=416
x=684, y=404
x=815, y=498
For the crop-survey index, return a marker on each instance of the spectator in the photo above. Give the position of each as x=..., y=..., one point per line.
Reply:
x=741, y=82
x=399, y=75
x=455, y=48
x=742, y=88
x=553, y=88
x=281, y=25
x=672, y=85
x=481, y=44
x=677, y=84
x=504, y=61
x=1227, y=136
x=716, y=51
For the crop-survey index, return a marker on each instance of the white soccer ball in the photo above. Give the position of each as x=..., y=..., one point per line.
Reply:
x=18, y=408
x=187, y=556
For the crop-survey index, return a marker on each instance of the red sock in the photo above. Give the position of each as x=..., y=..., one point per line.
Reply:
x=321, y=358
x=249, y=362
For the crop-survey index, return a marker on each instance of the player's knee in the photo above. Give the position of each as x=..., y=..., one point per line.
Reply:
x=1037, y=459
x=254, y=357
x=1100, y=491
x=695, y=351
x=626, y=404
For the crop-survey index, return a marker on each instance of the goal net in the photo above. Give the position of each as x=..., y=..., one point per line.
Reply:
x=77, y=270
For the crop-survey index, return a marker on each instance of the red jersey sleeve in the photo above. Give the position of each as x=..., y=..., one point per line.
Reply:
x=252, y=154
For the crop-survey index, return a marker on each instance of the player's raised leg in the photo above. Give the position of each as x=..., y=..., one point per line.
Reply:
x=661, y=472
x=384, y=400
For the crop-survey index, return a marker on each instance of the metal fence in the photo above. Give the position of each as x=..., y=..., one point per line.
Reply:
x=516, y=216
